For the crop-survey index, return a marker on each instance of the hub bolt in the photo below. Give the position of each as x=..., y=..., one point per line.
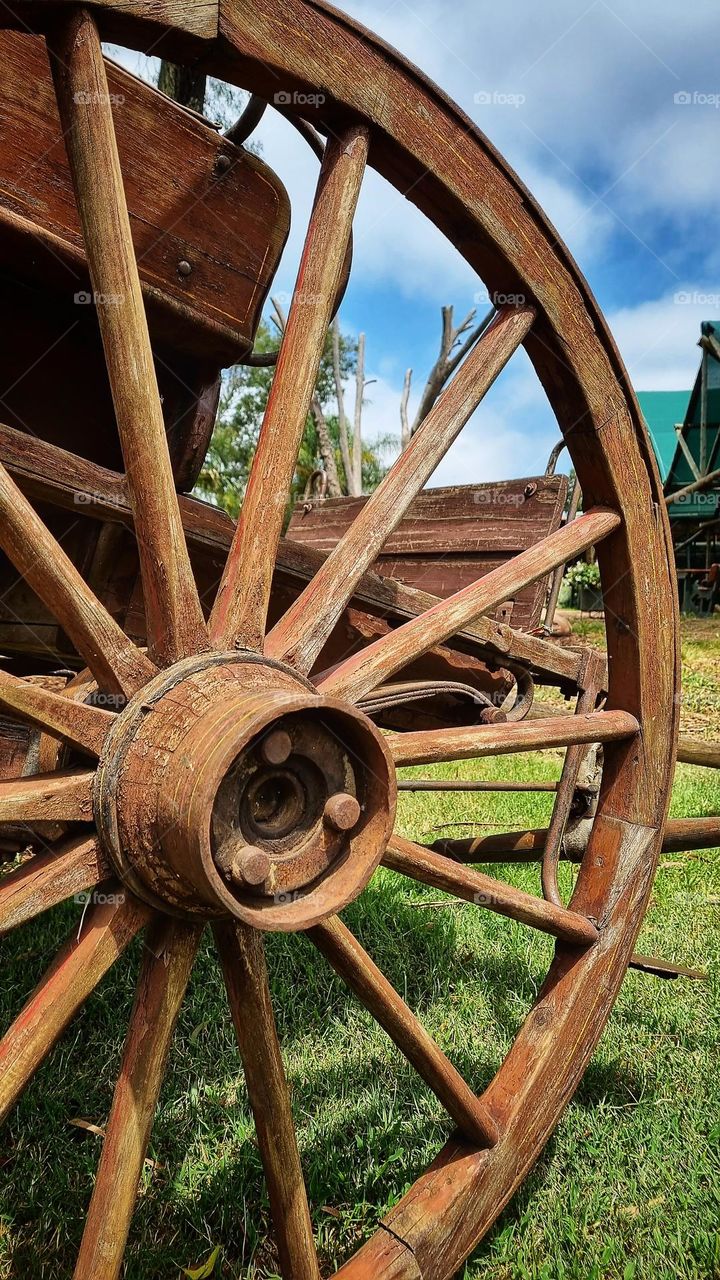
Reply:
x=252, y=866
x=342, y=811
x=276, y=748
x=244, y=864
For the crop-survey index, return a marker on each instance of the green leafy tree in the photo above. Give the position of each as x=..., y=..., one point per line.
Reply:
x=242, y=405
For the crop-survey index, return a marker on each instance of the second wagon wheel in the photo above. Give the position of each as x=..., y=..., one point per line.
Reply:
x=237, y=788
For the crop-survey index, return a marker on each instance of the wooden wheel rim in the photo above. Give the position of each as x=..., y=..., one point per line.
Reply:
x=426, y=148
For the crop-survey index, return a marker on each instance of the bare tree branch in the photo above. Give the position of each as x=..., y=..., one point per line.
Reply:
x=449, y=358
x=325, y=444
x=360, y=385
x=404, y=419
x=327, y=449
x=279, y=317
x=342, y=417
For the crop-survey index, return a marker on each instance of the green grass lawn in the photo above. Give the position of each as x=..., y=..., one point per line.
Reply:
x=628, y=1186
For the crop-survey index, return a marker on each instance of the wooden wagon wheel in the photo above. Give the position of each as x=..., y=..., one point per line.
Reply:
x=228, y=788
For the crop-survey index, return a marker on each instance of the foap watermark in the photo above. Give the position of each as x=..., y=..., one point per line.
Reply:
x=96, y=898
x=484, y=899
x=695, y=298
x=288, y=898
x=698, y=498
x=498, y=497
x=108, y=701
x=84, y=98
x=284, y=98
x=696, y=98
x=298, y=299
x=86, y=498
x=484, y=298
x=84, y=298
x=498, y=98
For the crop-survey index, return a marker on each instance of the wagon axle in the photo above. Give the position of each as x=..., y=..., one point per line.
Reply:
x=228, y=787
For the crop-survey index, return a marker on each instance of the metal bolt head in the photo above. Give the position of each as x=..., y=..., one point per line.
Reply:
x=251, y=867
x=223, y=163
x=184, y=267
x=276, y=748
x=342, y=811
x=493, y=715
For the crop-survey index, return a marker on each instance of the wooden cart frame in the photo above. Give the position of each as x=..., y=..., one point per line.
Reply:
x=214, y=707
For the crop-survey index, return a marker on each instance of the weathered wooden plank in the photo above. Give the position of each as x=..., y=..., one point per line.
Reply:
x=168, y=959
x=299, y=636
x=242, y=956
x=174, y=617
x=379, y=662
x=450, y=537
x=499, y=517
x=48, y=878
x=240, y=611
x=427, y=867
x=187, y=190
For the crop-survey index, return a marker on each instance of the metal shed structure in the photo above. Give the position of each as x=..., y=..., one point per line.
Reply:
x=685, y=431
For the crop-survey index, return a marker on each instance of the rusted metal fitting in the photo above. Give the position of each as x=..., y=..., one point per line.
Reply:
x=342, y=811
x=250, y=795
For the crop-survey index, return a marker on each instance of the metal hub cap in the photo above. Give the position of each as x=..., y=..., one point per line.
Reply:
x=229, y=787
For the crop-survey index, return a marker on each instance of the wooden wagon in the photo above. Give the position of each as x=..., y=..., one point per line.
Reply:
x=192, y=708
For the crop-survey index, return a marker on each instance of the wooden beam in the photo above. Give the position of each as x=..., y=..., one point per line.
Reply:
x=47, y=473
x=299, y=636
x=364, y=671
x=430, y=868
x=46, y=879
x=175, y=622
x=107, y=930
x=355, y=967
x=86, y=727
x=168, y=959
x=242, y=955
x=240, y=611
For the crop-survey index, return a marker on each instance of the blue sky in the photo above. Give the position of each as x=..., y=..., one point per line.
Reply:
x=610, y=113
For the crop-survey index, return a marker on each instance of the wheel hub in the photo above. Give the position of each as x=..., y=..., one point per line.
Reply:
x=229, y=787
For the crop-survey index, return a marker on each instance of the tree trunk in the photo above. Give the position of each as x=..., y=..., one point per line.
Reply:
x=186, y=85
x=327, y=451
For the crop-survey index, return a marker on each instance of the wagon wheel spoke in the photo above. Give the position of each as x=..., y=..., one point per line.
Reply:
x=572, y=765
x=75, y=722
x=468, y=742
x=51, y=797
x=117, y=664
x=372, y=666
x=419, y=863
x=242, y=957
x=372, y=988
x=106, y=931
x=302, y=632
x=49, y=878
x=240, y=611
x=168, y=958
x=174, y=617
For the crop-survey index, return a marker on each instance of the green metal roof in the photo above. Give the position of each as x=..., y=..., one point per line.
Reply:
x=663, y=411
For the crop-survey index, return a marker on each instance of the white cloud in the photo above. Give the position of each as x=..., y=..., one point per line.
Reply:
x=658, y=339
